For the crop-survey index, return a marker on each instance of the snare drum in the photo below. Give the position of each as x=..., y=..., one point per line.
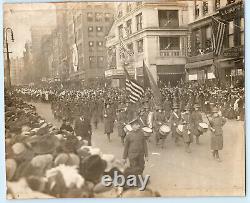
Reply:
x=179, y=129
x=202, y=127
x=164, y=130
x=127, y=128
x=147, y=131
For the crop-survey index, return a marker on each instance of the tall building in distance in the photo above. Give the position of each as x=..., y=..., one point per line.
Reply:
x=155, y=32
x=17, y=70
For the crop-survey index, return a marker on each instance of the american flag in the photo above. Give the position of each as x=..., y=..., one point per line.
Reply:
x=134, y=90
x=218, y=31
x=125, y=53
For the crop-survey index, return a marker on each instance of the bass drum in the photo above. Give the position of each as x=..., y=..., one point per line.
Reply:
x=164, y=130
x=147, y=131
x=127, y=128
x=203, y=127
x=179, y=129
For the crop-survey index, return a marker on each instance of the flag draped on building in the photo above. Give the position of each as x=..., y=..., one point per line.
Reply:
x=155, y=89
x=218, y=31
x=134, y=90
x=125, y=53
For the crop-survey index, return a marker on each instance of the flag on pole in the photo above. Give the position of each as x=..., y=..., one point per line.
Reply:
x=134, y=90
x=155, y=89
x=218, y=31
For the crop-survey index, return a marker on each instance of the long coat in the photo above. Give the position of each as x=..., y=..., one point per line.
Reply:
x=121, y=119
x=195, y=119
x=108, y=120
x=187, y=136
x=83, y=129
x=217, y=136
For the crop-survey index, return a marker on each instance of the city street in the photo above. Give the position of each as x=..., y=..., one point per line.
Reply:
x=173, y=172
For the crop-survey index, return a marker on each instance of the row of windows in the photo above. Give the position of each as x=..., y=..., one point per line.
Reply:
x=128, y=26
x=99, y=17
x=96, y=61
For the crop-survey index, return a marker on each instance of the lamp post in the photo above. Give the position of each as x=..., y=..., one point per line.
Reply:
x=5, y=34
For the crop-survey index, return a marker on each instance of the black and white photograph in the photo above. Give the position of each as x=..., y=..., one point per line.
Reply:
x=124, y=99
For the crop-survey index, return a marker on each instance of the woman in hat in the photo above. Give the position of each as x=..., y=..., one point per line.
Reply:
x=216, y=123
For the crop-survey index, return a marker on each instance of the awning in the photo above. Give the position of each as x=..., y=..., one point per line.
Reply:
x=199, y=64
x=170, y=69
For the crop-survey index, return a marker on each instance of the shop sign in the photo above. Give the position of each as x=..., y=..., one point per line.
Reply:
x=233, y=52
x=231, y=9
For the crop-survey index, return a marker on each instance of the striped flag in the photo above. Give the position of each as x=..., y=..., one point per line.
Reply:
x=218, y=31
x=134, y=90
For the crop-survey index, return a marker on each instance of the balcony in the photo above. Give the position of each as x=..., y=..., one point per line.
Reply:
x=171, y=53
x=202, y=57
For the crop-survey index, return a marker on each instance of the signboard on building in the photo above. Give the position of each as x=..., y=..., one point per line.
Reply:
x=229, y=12
x=233, y=52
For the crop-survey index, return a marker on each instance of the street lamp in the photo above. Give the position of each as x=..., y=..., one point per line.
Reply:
x=5, y=34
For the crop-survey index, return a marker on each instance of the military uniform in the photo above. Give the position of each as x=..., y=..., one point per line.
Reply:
x=174, y=120
x=196, y=118
x=121, y=122
x=108, y=121
x=158, y=120
x=135, y=149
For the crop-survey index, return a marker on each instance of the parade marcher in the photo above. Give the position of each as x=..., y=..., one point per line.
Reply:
x=108, y=121
x=135, y=148
x=83, y=129
x=158, y=120
x=174, y=121
x=217, y=123
x=187, y=136
x=66, y=126
x=121, y=122
x=196, y=119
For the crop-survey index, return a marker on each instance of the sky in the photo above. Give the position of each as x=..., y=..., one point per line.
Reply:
x=21, y=16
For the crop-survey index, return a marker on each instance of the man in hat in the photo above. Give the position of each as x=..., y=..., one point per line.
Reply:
x=174, y=121
x=196, y=119
x=187, y=136
x=109, y=119
x=83, y=128
x=135, y=148
x=217, y=123
x=121, y=121
x=158, y=120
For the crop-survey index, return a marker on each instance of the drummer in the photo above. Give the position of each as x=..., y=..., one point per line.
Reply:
x=196, y=119
x=174, y=122
x=187, y=136
x=158, y=121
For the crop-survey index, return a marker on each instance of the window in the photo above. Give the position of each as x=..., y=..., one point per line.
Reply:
x=91, y=46
x=100, y=60
x=130, y=48
x=169, y=43
x=89, y=17
x=128, y=27
x=205, y=7
x=107, y=17
x=196, y=10
x=92, y=61
x=129, y=7
x=90, y=31
x=168, y=18
x=139, y=22
x=99, y=31
x=242, y=39
x=231, y=34
x=140, y=46
x=98, y=17
x=99, y=46
x=120, y=31
x=217, y=4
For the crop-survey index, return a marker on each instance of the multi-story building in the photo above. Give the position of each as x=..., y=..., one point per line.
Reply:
x=27, y=61
x=154, y=32
x=87, y=26
x=16, y=71
x=202, y=62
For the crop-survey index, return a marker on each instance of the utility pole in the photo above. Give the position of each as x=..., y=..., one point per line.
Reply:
x=8, y=79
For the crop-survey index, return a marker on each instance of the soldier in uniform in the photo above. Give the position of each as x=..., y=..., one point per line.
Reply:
x=135, y=147
x=121, y=121
x=158, y=120
x=174, y=121
x=187, y=136
x=108, y=121
x=217, y=123
x=83, y=129
x=196, y=118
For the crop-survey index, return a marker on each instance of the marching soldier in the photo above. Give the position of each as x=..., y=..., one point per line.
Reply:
x=121, y=121
x=217, y=122
x=158, y=121
x=174, y=121
x=135, y=148
x=108, y=121
x=196, y=118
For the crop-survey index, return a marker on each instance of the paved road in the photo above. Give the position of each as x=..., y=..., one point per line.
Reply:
x=176, y=173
